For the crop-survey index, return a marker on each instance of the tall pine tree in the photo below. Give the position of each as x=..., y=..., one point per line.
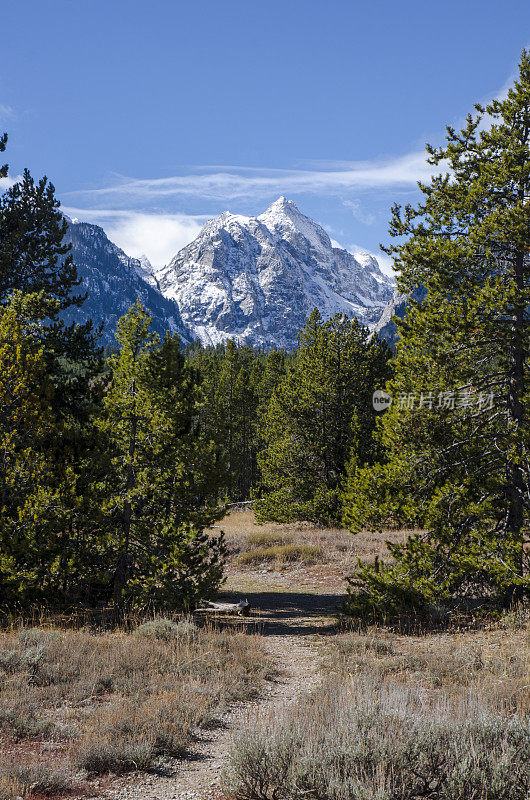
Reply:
x=37, y=282
x=162, y=473
x=456, y=436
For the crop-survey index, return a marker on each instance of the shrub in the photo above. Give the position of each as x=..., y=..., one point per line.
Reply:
x=34, y=637
x=283, y=554
x=167, y=629
x=268, y=539
x=130, y=734
x=10, y=788
x=161, y=683
x=9, y=660
x=118, y=756
x=36, y=777
x=20, y=719
x=357, y=740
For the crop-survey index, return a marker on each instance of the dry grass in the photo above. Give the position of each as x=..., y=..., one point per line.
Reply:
x=282, y=554
x=260, y=538
x=356, y=740
x=34, y=778
x=491, y=664
x=75, y=703
x=338, y=545
x=10, y=788
x=445, y=716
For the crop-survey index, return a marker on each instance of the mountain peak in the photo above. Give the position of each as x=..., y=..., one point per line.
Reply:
x=259, y=283
x=282, y=207
x=284, y=219
x=282, y=202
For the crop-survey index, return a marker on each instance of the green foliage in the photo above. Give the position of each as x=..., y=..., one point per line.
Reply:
x=459, y=470
x=320, y=412
x=161, y=472
x=106, y=481
x=34, y=260
x=237, y=384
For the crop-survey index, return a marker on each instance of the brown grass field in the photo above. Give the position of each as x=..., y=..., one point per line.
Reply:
x=75, y=705
x=296, y=556
x=82, y=708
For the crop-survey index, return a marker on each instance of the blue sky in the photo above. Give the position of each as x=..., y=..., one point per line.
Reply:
x=151, y=116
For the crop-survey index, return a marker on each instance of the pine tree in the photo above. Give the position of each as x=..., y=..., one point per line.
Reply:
x=36, y=281
x=456, y=462
x=3, y=142
x=34, y=259
x=317, y=414
x=24, y=467
x=162, y=474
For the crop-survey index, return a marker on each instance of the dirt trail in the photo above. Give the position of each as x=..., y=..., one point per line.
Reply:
x=289, y=624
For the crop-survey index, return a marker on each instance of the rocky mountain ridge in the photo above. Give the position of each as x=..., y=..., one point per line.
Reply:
x=256, y=279
x=113, y=281
x=251, y=279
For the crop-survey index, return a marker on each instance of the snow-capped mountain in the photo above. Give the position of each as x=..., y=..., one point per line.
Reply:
x=145, y=270
x=113, y=282
x=256, y=279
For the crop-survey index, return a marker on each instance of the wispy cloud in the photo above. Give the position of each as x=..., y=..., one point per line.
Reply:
x=158, y=236
x=6, y=183
x=161, y=235
x=358, y=212
x=229, y=183
x=6, y=112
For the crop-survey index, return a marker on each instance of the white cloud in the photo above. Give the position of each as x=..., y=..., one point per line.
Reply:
x=358, y=212
x=6, y=183
x=385, y=262
x=228, y=183
x=158, y=236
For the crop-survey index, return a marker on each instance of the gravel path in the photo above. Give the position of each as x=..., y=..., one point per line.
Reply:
x=198, y=776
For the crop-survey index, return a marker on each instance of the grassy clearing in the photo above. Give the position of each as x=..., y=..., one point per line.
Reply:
x=282, y=554
x=267, y=539
x=338, y=546
x=444, y=716
x=76, y=704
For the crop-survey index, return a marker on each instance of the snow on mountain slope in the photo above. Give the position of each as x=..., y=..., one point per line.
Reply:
x=256, y=279
x=145, y=270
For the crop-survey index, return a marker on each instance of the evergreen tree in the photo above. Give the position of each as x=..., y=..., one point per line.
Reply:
x=24, y=468
x=3, y=142
x=33, y=259
x=456, y=460
x=245, y=406
x=34, y=263
x=319, y=412
x=231, y=378
x=159, y=483
x=49, y=530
